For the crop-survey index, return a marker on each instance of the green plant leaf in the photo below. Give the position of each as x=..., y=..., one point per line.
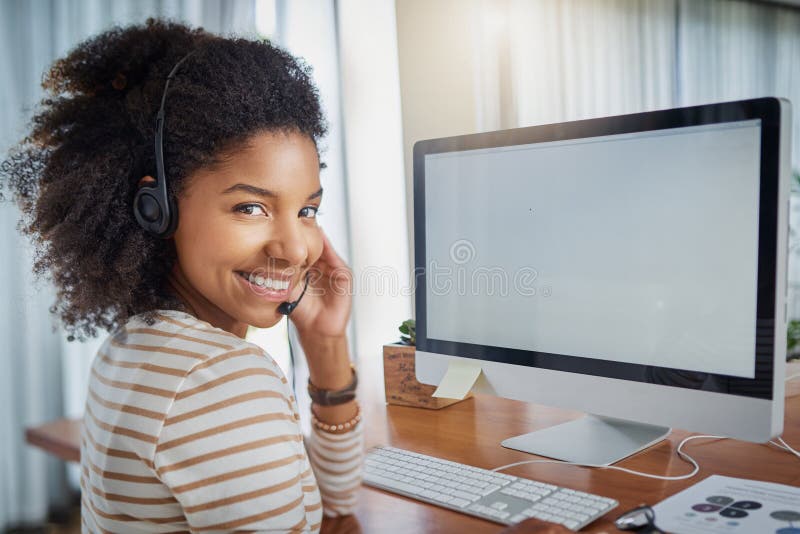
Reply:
x=792, y=334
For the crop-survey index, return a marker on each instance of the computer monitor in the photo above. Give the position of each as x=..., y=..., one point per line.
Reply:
x=630, y=267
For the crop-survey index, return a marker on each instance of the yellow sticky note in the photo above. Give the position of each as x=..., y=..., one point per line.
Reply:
x=458, y=380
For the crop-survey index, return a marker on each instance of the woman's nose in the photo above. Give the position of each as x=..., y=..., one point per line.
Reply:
x=288, y=244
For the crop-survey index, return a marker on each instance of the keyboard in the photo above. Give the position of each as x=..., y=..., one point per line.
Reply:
x=498, y=497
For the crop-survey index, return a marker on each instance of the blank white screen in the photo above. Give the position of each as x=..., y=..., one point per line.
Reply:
x=642, y=247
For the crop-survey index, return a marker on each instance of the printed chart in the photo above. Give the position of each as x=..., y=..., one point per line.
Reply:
x=731, y=505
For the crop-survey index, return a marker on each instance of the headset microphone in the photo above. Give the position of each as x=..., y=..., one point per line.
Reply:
x=288, y=307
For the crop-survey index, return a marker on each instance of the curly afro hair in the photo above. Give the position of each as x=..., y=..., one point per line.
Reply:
x=74, y=176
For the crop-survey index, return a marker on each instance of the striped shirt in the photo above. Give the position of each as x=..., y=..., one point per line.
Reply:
x=190, y=428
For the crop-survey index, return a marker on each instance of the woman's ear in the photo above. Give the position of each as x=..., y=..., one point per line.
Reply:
x=146, y=179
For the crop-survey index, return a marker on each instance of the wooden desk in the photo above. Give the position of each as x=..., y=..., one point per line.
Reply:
x=471, y=431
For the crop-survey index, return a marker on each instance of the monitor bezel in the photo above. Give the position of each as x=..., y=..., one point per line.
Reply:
x=768, y=110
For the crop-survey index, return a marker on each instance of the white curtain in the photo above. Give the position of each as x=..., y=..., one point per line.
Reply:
x=574, y=60
x=546, y=61
x=44, y=376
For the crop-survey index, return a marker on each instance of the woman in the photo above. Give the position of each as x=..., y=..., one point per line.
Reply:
x=188, y=426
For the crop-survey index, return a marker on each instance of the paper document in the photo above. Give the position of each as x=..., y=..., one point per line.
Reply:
x=458, y=380
x=721, y=504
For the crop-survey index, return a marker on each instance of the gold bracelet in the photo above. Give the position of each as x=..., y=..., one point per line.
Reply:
x=337, y=428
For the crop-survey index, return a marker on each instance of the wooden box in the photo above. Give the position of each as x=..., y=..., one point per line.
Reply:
x=401, y=383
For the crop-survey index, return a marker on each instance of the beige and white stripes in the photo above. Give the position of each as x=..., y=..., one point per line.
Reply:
x=189, y=428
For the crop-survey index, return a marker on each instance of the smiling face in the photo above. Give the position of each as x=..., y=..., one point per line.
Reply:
x=247, y=231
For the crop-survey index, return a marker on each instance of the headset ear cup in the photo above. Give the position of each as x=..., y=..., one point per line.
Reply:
x=147, y=207
x=150, y=215
x=147, y=210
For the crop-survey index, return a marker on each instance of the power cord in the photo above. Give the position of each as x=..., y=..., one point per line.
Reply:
x=785, y=446
x=682, y=455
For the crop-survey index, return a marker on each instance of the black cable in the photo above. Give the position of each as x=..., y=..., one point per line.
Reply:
x=291, y=358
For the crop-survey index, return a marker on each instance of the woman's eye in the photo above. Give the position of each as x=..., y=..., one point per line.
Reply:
x=247, y=209
x=309, y=212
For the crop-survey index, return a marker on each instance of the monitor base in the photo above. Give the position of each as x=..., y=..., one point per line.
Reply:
x=592, y=440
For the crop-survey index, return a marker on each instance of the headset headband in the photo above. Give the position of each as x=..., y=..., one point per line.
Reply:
x=153, y=208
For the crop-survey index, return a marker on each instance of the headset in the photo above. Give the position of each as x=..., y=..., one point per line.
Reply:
x=155, y=211
x=153, y=208
x=288, y=307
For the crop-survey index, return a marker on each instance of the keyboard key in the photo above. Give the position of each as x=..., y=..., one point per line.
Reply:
x=489, y=489
x=383, y=481
x=428, y=494
x=465, y=495
x=442, y=497
x=455, y=501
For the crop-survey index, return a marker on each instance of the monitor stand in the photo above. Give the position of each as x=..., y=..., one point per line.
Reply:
x=591, y=439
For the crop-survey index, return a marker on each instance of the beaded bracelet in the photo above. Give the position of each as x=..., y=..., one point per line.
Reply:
x=337, y=428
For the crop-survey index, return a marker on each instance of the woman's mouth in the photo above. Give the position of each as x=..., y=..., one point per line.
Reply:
x=272, y=289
